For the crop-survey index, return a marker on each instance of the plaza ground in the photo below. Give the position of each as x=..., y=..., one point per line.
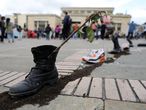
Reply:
x=17, y=57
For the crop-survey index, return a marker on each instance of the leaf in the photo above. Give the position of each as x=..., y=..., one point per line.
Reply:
x=79, y=33
x=90, y=34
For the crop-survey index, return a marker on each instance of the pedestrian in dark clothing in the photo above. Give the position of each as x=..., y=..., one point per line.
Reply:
x=103, y=28
x=84, y=29
x=47, y=31
x=2, y=28
x=132, y=27
x=115, y=37
x=66, y=26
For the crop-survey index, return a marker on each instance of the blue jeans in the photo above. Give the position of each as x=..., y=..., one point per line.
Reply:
x=10, y=37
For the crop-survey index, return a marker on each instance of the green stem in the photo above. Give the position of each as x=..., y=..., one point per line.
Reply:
x=88, y=19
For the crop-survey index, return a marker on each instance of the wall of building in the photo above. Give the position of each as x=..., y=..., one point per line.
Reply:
x=123, y=20
x=80, y=14
x=21, y=19
x=53, y=20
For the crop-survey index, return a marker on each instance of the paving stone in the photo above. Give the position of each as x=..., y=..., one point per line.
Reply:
x=144, y=83
x=67, y=67
x=96, y=88
x=119, y=105
x=139, y=89
x=67, y=63
x=14, y=77
x=68, y=103
x=83, y=87
x=64, y=74
x=16, y=81
x=7, y=76
x=65, y=71
x=125, y=90
x=68, y=89
x=111, y=89
x=4, y=73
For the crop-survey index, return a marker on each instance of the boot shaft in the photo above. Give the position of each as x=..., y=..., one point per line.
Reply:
x=42, y=58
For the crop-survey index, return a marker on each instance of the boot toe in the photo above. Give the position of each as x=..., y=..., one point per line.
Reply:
x=20, y=88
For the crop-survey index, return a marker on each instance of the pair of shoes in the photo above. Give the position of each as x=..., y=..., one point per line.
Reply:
x=95, y=56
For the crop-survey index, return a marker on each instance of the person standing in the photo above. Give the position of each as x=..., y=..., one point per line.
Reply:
x=19, y=29
x=132, y=27
x=75, y=28
x=57, y=31
x=103, y=29
x=47, y=31
x=115, y=41
x=2, y=28
x=94, y=27
x=66, y=25
x=9, y=30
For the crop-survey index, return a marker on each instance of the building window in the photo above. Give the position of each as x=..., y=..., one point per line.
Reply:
x=69, y=12
x=76, y=12
x=119, y=26
x=40, y=24
x=95, y=11
x=82, y=12
x=88, y=12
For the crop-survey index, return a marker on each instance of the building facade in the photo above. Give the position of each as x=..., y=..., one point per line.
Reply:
x=79, y=14
x=35, y=21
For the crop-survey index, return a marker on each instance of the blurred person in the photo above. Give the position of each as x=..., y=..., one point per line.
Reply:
x=47, y=31
x=115, y=41
x=57, y=31
x=143, y=34
x=98, y=30
x=2, y=28
x=75, y=28
x=94, y=27
x=132, y=27
x=67, y=21
x=9, y=30
x=103, y=29
x=19, y=29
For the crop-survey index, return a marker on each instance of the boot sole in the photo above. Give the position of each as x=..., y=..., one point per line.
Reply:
x=50, y=82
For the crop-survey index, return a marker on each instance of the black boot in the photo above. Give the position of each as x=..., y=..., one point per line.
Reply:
x=44, y=72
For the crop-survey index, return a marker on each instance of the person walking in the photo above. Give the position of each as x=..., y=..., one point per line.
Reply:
x=132, y=27
x=2, y=28
x=66, y=25
x=9, y=30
